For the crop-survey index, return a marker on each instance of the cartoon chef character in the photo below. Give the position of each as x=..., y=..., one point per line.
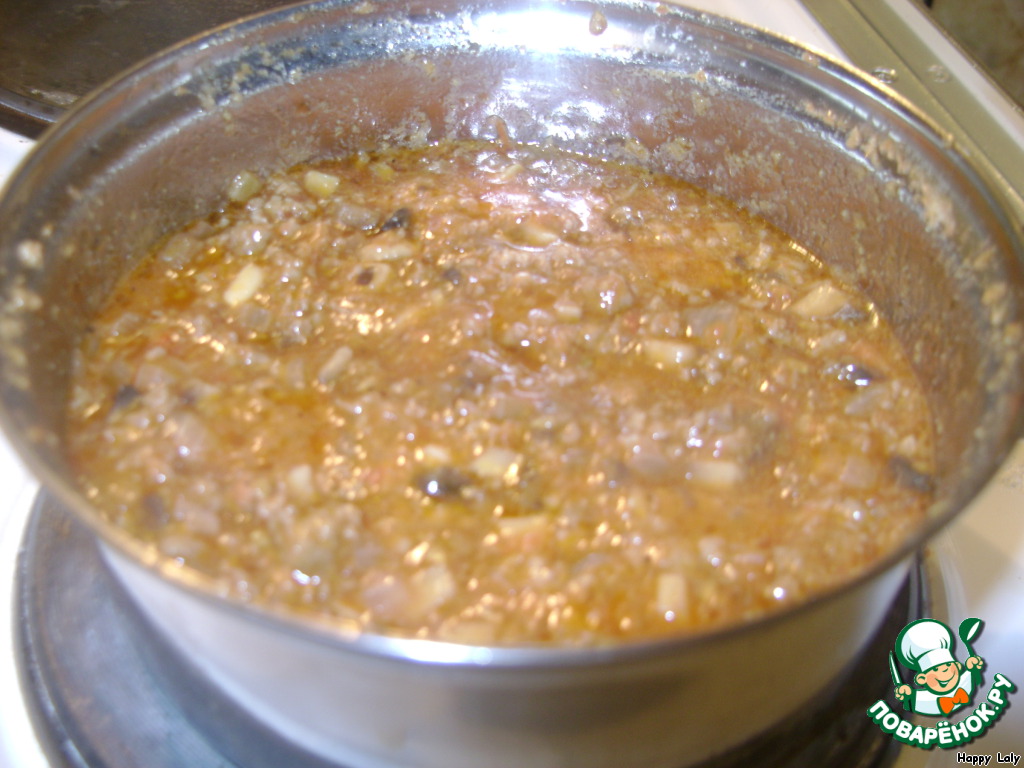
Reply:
x=926, y=646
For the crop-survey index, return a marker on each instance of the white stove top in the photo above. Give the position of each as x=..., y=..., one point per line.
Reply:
x=978, y=561
x=17, y=489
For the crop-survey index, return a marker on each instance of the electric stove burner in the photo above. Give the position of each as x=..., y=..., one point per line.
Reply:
x=105, y=692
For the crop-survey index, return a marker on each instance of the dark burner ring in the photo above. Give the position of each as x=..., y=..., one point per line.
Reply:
x=104, y=692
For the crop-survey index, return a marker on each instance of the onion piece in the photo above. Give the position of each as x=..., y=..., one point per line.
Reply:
x=320, y=184
x=245, y=285
x=666, y=354
x=716, y=473
x=672, y=595
x=822, y=300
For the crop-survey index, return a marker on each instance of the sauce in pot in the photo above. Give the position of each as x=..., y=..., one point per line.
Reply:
x=500, y=394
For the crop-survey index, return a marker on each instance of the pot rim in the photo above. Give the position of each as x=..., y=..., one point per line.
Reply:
x=69, y=129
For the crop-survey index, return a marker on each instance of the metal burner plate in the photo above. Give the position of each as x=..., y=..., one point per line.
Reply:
x=105, y=692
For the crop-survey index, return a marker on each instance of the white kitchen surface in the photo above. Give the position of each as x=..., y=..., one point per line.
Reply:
x=17, y=489
x=978, y=562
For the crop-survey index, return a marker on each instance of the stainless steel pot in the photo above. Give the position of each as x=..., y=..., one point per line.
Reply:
x=835, y=160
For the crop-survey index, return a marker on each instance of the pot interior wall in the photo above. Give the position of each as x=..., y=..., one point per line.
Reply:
x=781, y=133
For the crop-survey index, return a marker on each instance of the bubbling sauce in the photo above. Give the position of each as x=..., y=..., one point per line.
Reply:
x=498, y=394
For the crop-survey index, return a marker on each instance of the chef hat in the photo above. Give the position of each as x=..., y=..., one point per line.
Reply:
x=924, y=644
